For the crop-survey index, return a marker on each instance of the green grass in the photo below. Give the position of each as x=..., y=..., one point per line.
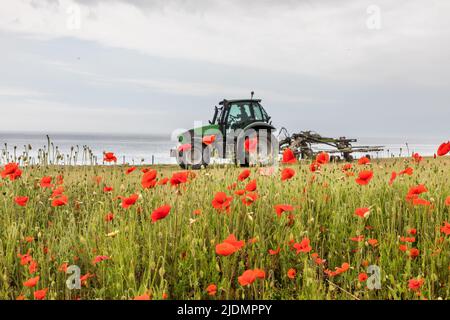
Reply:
x=176, y=256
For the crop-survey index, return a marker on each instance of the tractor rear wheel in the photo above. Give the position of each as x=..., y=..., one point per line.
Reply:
x=257, y=148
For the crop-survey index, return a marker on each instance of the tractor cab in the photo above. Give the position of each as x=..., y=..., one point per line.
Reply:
x=238, y=114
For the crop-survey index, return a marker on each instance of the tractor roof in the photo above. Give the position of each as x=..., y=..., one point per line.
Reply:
x=238, y=100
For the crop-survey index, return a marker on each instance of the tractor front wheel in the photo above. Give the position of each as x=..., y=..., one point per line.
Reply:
x=195, y=158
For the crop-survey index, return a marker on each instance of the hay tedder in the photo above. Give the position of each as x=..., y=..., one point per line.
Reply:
x=302, y=145
x=239, y=124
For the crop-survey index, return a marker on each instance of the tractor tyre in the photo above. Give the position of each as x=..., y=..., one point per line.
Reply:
x=263, y=152
x=307, y=153
x=348, y=157
x=197, y=157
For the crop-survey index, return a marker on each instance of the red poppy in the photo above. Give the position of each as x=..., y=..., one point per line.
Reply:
x=347, y=167
x=25, y=258
x=229, y=246
x=207, y=140
x=244, y=175
x=21, y=201
x=130, y=170
x=109, y=157
x=362, y=212
x=446, y=228
x=443, y=149
x=260, y=274
x=251, y=186
x=33, y=267
x=107, y=189
x=364, y=177
x=415, y=284
x=60, y=201
x=363, y=161
x=314, y=166
x=30, y=283
x=414, y=252
x=225, y=249
x=99, y=259
x=231, y=239
x=109, y=217
x=288, y=156
x=63, y=267
x=303, y=246
x=185, y=147
x=408, y=239
x=57, y=192
x=232, y=186
x=393, y=177
x=221, y=201
x=131, y=200
x=143, y=297
x=415, y=191
x=29, y=239
x=447, y=201
x=421, y=202
x=46, y=182
x=291, y=273
x=12, y=171
x=59, y=180
x=417, y=157
x=287, y=174
x=211, y=289
x=247, y=278
x=412, y=231
x=250, y=144
x=149, y=179
x=403, y=247
x=372, y=242
x=357, y=238
x=239, y=192
x=274, y=252
x=85, y=278
x=40, y=294
x=280, y=208
x=362, y=277
x=323, y=158
x=338, y=270
x=162, y=182
x=160, y=213
x=249, y=198
x=408, y=171
x=179, y=178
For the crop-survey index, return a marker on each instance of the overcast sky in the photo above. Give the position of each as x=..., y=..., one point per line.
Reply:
x=356, y=68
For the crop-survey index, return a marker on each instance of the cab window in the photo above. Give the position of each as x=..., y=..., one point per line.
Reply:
x=239, y=113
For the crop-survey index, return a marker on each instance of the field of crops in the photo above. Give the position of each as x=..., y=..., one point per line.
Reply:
x=301, y=231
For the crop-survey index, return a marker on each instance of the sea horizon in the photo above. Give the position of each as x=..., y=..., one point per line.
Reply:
x=147, y=148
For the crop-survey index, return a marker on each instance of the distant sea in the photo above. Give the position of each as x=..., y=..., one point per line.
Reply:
x=145, y=149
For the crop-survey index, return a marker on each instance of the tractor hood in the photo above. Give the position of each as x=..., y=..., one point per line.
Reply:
x=200, y=132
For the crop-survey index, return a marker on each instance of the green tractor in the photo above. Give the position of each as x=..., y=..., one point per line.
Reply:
x=240, y=130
